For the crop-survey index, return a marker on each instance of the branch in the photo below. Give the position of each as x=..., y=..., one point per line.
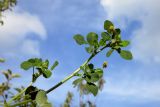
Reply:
x=19, y=94
x=21, y=103
x=77, y=70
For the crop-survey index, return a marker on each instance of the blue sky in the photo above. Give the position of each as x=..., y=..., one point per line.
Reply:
x=45, y=28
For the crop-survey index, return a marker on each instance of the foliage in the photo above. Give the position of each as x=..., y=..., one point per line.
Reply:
x=6, y=5
x=89, y=78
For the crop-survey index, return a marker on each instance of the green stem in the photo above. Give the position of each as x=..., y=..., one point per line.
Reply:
x=77, y=70
x=68, y=77
x=19, y=94
x=21, y=103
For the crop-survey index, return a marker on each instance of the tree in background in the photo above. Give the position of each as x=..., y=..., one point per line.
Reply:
x=6, y=5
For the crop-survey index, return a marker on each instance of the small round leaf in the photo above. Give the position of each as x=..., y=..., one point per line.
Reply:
x=126, y=54
x=92, y=38
x=79, y=39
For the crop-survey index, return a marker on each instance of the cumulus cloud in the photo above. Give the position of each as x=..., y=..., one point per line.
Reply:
x=145, y=41
x=15, y=34
x=135, y=89
x=145, y=47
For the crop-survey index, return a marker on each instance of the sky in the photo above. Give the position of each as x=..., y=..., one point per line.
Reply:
x=45, y=28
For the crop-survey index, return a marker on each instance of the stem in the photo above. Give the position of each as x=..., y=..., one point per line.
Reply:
x=77, y=70
x=21, y=103
x=19, y=94
x=68, y=77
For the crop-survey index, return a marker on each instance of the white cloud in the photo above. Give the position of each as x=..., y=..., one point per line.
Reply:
x=145, y=42
x=15, y=35
x=135, y=89
x=145, y=47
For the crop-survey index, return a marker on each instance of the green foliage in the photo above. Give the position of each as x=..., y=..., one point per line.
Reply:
x=126, y=54
x=41, y=99
x=41, y=66
x=92, y=38
x=92, y=88
x=31, y=91
x=108, y=25
x=90, y=79
x=54, y=65
x=2, y=60
x=79, y=39
x=6, y=5
x=90, y=76
x=68, y=100
x=124, y=43
x=109, y=52
x=111, y=39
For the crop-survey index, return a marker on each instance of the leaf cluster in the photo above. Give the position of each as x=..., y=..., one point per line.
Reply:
x=111, y=38
x=89, y=79
x=6, y=5
x=41, y=66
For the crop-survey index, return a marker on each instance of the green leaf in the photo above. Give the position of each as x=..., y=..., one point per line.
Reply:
x=47, y=73
x=54, y=65
x=105, y=36
x=2, y=60
x=124, y=43
x=102, y=42
x=92, y=38
x=126, y=54
x=108, y=25
x=79, y=39
x=89, y=49
x=109, y=52
x=92, y=88
x=77, y=81
x=99, y=72
x=26, y=65
x=94, y=77
x=35, y=61
x=45, y=64
x=41, y=99
x=15, y=75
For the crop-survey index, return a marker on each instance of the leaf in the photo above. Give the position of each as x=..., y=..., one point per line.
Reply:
x=35, y=61
x=109, y=52
x=102, y=42
x=6, y=74
x=41, y=99
x=105, y=36
x=54, y=65
x=9, y=71
x=124, y=43
x=94, y=77
x=99, y=72
x=47, y=73
x=92, y=88
x=108, y=25
x=2, y=60
x=126, y=54
x=45, y=64
x=79, y=39
x=92, y=38
x=15, y=76
x=26, y=65
x=77, y=81
x=89, y=49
